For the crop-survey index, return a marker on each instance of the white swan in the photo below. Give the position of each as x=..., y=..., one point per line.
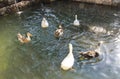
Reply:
x=76, y=22
x=44, y=23
x=68, y=61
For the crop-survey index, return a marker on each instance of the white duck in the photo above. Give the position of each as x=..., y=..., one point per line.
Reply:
x=68, y=61
x=76, y=22
x=44, y=23
x=24, y=39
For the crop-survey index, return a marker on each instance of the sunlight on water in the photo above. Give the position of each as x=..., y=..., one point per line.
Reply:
x=41, y=58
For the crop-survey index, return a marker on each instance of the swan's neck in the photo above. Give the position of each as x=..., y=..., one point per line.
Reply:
x=75, y=17
x=70, y=49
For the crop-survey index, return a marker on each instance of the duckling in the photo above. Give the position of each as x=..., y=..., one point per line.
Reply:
x=59, y=32
x=44, y=23
x=76, y=22
x=24, y=39
x=89, y=54
x=68, y=61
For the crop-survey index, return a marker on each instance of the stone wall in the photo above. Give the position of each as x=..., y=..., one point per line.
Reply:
x=13, y=7
x=9, y=8
x=105, y=2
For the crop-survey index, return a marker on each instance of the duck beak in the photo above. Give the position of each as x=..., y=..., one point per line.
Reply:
x=31, y=35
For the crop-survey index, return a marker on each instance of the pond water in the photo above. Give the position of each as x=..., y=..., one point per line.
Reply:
x=41, y=58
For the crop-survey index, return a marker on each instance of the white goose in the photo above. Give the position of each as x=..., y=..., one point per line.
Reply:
x=76, y=22
x=68, y=61
x=44, y=23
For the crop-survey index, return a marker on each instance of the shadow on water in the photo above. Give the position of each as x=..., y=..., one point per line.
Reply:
x=41, y=58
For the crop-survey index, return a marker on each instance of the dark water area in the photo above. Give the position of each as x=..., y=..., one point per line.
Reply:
x=41, y=58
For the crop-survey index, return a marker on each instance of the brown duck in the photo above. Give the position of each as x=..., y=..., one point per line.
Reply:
x=24, y=39
x=89, y=54
x=59, y=32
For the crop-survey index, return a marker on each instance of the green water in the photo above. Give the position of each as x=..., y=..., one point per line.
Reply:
x=41, y=58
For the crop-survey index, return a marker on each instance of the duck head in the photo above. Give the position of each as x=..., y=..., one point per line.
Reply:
x=29, y=34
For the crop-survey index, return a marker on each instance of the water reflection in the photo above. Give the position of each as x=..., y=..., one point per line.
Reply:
x=41, y=58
